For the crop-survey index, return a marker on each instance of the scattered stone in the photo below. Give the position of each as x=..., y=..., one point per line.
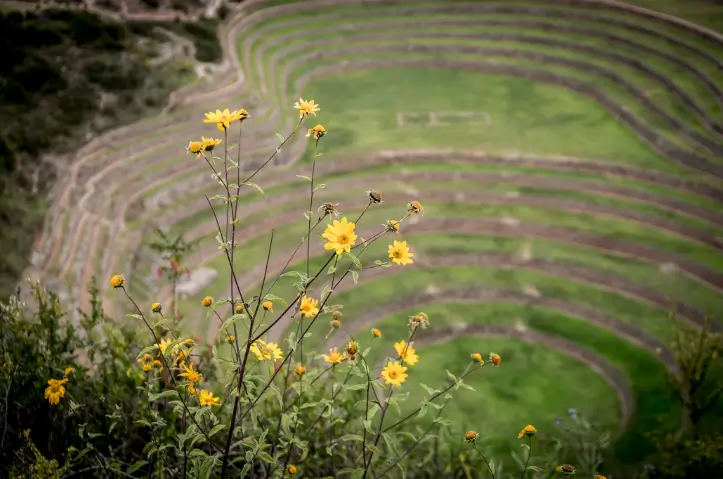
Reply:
x=668, y=268
x=199, y=279
x=510, y=221
x=459, y=196
x=432, y=289
x=512, y=194
x=526, y=251
x=531, y=291
x=520, y=325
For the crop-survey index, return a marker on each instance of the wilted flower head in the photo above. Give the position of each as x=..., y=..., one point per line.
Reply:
x=477, y=357
x=415, y=207
x=329, y=209
x=337, y=314
x=375, y=196
x=207, y=301
x=352, y=348
x=268, y=306
x=495, y=358
x=376, y=333
x=156, y=307
x=317, y=132
x=239, y=308
x=567, y=469
x=471, y=436
x=230, y=339
x=300, y=370
x=291, y=469
x=420, y=319
x=392, y=226
x=335, y=323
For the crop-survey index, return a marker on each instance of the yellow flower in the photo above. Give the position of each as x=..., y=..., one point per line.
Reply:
x=156, y=364
x=206, y=398
x=117, y=280
x=598, y=476
x=567, y=469
x=156, y=307
x=241, y=114
x=317, y=132
x=239, y=308
x=392, y=226
x=230, y=339
x=495, y=358
x=399, y=253
x=340, y=236
x=300, y=370
x=207, y=301
x=68, y=372
x=190, y=374
x=222, y=119
x=376, y=333
x=291, y=469
x=264, y=350
x=147, y=366
x=181, y=359
x=415, y=207
x=334, y=356
x=192, y=390
x=528, y=430
x=306, y=108
x=406, y=352
x=470, y=436
x=209, y=143
x=268, y=306
x=394, y=373
x=195, y=147
x=477, y=357
x=309, y=307
x=55, y=390
x=163, y=345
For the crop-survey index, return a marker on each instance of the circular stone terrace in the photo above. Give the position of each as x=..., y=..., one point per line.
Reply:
x=568, y=155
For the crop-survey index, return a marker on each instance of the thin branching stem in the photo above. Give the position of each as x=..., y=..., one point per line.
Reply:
x=168, y=368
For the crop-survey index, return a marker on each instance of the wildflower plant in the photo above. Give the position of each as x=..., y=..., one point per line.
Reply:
x=252, y=405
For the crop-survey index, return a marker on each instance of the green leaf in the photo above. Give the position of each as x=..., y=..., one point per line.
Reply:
x=266, y=457
x=534, y=468
x=332, y=269
x=256, y=187
x=161, y=322
x=355, y=276
x=304, y=177
x=355, y=260
x=320, y=187
x=368, y=426
x=275, y=299
x=215, y=429
x=351, y=437
x=429, y=390
x=137, y=316
x=137, y=465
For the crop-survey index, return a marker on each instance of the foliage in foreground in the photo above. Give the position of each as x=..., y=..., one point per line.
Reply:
x=94, y=397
